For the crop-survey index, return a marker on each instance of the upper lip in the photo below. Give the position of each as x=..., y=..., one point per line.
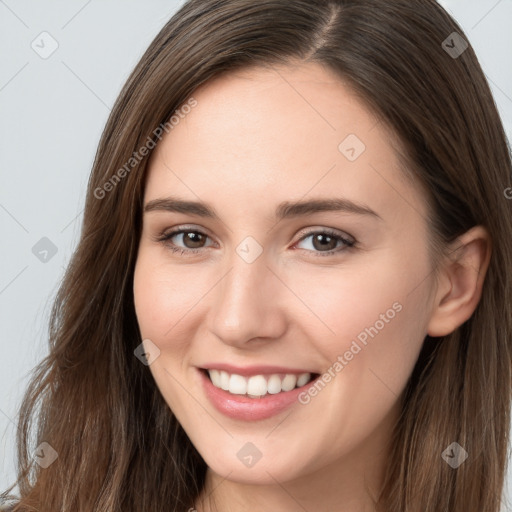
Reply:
x=254, y=369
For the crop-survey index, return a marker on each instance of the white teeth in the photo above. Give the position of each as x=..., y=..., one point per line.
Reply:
x=224, y=380
x=274, y=384
x=303, y=379
x=289, y=382
x=215, y=376
x=257, y=386
x=237, y=384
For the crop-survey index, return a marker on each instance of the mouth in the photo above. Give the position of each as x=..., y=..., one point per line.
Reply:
x=253, y=393
x=258, y=385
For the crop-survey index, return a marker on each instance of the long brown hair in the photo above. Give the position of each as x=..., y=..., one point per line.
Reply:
x=119, y=446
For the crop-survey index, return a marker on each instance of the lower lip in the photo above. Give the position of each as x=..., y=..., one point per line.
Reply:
x=241, y=407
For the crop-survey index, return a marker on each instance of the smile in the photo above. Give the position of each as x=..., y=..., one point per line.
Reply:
x=255, y=393
x=257, y=386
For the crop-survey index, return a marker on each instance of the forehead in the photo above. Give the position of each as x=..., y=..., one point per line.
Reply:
x=260, y=136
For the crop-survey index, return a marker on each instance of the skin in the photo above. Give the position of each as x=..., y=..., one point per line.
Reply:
x=257, y=138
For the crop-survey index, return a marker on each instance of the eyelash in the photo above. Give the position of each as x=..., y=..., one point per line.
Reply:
x=165, y=238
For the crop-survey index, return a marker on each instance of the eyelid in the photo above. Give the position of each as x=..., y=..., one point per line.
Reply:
x=329, y=231
x=166, y=233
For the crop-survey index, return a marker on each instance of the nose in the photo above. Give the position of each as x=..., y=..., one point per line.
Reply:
x=248, y=304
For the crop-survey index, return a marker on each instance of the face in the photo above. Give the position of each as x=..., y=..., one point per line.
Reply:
x=283, y=258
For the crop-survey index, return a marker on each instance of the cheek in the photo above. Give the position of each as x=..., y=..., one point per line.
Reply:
x=374, y=323
x=378, y=325
x=354, y=304
x=163, y=297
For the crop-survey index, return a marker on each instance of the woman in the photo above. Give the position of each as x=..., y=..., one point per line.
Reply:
x=292, y=288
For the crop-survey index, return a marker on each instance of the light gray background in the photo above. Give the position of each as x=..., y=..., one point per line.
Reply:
x=52, y=114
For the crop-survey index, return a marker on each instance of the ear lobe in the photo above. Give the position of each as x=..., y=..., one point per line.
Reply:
x=461, y=281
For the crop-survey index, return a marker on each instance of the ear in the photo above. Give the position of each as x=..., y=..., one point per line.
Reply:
x=460, y=283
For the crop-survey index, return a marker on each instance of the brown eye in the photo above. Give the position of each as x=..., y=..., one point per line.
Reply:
x=193, y=239
x=184, y=240
x=325, y=243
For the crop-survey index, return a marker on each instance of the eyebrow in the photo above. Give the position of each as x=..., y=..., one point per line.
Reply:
x=284, y=210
